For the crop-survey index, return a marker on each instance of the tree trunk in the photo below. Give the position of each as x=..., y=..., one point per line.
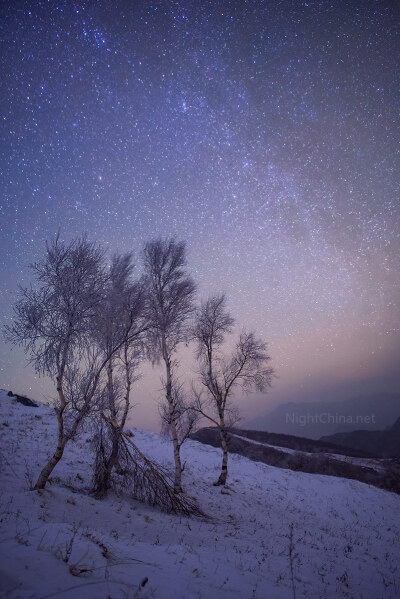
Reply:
x=115, y=433
x=177, y=460
x=173, y=431
x=62, y=439
x=111, y=461
x=51, y=464
x=224, y=444
x=174, y=436
x=128, y=383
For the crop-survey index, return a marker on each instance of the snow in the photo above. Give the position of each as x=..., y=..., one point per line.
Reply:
x=277, y=447
x=61, y=542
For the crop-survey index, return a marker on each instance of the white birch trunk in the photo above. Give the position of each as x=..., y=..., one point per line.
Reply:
x=173, y=431
x=224, y=444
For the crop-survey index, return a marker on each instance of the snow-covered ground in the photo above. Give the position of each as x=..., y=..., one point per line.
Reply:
x=63, y=543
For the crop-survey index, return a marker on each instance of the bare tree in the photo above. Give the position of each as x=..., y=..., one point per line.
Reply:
x=246, y=367
x=171, y=293
x=121, y=322
x=53, y=323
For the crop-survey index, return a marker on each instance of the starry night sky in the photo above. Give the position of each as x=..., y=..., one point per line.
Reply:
x=263, y=133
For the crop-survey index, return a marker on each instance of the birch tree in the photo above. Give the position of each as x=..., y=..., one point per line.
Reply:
x=171, y=294
x=121, y=322
x=53, y=322
x=220, y=375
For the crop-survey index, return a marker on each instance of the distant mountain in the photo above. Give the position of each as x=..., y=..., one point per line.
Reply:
x=297, y=443
x=396, y=426
x=384, y=444
x=320, y=418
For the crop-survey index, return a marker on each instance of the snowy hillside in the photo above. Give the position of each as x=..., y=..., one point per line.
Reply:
x=272, y=533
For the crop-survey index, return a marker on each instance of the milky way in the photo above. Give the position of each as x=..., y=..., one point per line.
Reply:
x=263, y=133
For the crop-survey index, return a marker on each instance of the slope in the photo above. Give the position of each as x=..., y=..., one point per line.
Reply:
x=272, y=533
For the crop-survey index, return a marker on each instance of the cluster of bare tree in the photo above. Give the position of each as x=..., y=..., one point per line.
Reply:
x=88, y=324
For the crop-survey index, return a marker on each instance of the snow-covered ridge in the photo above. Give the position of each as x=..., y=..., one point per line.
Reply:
x=374, y=463
x=62, y=542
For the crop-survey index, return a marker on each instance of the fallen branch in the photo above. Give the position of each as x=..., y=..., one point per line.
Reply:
x=149, y=482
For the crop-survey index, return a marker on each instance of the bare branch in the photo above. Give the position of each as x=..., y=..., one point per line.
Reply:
x=246, y=368
x=147, y=481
